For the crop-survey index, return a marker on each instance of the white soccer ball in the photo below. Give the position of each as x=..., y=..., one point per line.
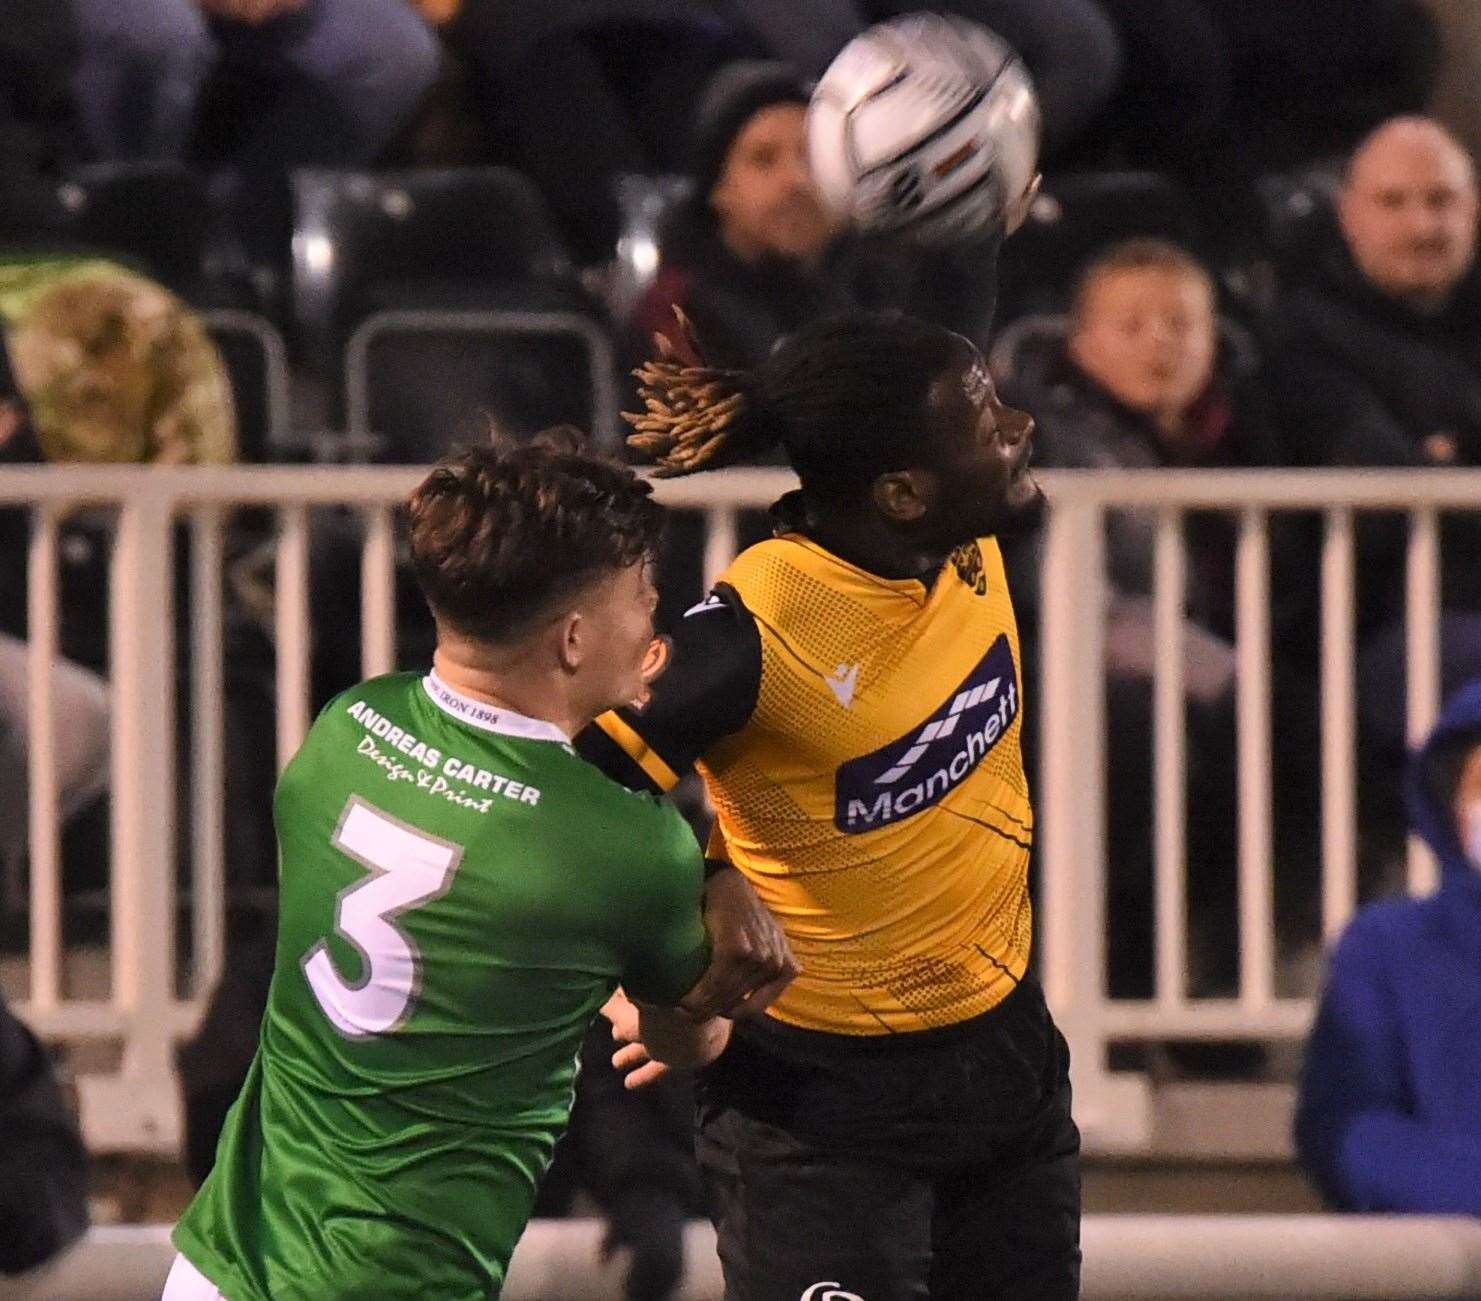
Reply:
x=926, y=127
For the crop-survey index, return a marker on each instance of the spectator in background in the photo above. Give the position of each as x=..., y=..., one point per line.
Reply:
x=581, y=92
x=751, y=255
x=744, y=255
x=113, y=367
x=43, y=1163
x=1389, y=1117
x=1140, y=381
x=109, y=368
x=1377, y=362
x=333, y=80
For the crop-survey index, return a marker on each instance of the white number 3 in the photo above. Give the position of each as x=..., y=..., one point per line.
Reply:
x=407, y=868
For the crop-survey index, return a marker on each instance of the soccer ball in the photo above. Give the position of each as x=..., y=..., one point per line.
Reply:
x=926, y=127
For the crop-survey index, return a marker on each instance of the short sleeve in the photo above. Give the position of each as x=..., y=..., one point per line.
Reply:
x=667, y=949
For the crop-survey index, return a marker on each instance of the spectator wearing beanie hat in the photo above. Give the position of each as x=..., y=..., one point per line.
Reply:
x=751, y=254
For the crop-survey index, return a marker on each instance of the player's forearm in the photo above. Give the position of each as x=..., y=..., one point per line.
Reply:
x=672, y=1038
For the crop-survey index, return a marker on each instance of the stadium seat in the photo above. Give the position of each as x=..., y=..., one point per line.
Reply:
x=257, y=361
x=156, y=216
x=1298, y=212
x=460, y=239
x=1075, y=217
x=513, y=371
x=645, y=203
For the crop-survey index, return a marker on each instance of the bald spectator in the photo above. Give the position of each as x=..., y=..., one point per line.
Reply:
x=1378, y=363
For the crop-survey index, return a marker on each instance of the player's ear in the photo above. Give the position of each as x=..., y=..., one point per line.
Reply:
x=902, y=496
x=572, y=635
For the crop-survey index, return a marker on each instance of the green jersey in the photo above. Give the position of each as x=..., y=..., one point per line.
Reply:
x=459, y=894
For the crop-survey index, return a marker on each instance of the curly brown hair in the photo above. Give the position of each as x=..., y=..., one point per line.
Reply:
x=502, y=535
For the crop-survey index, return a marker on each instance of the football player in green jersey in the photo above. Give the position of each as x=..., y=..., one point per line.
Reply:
x=460, y=894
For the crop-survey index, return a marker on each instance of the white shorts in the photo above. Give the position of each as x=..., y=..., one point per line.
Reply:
x=187, y=1283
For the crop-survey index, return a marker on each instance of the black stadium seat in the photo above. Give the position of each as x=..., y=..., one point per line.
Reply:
x=155, y=216
x=1299, y=212
x=467, y=239
x=256, y=359
x=418, y=381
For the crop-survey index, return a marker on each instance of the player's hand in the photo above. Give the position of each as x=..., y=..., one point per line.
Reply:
x=635, y=1066
x=622, y=1012
x=751, y=962
x=631, y=1059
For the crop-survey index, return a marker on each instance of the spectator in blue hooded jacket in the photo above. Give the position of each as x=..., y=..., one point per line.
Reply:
x=1390, y=1110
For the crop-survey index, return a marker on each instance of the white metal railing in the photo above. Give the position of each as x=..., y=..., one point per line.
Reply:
x=1114, y=1109
x=137, y=1107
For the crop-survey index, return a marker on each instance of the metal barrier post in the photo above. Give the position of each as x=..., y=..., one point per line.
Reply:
x=1113, y=1110
x=139, y=1107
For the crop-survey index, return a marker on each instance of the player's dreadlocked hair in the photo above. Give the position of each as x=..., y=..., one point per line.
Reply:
x=845, y=396
x=501, y=535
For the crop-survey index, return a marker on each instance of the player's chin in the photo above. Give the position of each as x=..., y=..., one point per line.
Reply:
x=1020, y=510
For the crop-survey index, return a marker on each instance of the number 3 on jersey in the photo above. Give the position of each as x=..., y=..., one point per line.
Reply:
x=407, y=868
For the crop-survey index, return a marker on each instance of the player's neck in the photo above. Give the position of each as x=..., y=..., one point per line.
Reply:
x=511, y=686
x=870, y=545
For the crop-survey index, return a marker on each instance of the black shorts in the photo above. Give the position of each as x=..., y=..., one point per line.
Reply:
x=941, y=1165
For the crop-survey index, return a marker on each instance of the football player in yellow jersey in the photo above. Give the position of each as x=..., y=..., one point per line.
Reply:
x=897, y=1125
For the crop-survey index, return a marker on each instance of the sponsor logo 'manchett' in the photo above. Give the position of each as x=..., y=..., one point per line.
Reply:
x=917, y=771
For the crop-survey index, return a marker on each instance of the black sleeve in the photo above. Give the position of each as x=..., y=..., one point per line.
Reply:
x=707, y=692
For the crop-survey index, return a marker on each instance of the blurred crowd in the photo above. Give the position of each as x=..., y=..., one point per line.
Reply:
x=1251, y=249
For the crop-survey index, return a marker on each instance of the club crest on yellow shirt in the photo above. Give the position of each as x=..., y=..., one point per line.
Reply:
x=967, y=559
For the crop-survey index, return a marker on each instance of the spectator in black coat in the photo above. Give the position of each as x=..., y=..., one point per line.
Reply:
x=1377, y=359
x=582, y=92
x=43, y=1163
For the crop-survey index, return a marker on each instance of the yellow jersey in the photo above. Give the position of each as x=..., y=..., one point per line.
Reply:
x=858, y=738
